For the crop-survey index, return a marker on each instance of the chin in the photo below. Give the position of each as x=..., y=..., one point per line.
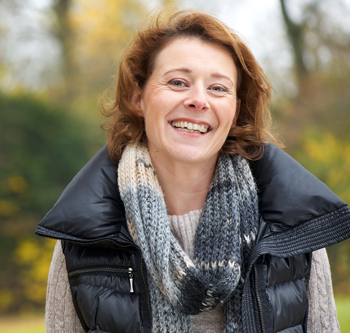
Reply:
x=192, y=156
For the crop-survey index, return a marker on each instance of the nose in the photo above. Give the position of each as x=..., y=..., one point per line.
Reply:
x=197, y=99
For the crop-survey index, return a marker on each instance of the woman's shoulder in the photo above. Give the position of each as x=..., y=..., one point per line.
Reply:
x=90, y=203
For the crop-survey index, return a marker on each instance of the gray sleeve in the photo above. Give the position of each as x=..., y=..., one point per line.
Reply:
x=60, y=315
x=322, y=310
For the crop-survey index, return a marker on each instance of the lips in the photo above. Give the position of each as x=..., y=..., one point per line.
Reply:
x=189, y=127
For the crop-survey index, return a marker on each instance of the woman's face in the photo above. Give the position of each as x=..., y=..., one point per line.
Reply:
x=189, y=101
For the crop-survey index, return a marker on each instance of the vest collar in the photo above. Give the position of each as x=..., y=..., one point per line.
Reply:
x=90, y=208
x=289, y=195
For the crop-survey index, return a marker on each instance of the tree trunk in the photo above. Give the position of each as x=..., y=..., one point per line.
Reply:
x=63, y=34
x=296, y=37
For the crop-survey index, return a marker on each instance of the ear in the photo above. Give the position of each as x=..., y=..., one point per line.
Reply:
x=238, y=108
x=135, y=100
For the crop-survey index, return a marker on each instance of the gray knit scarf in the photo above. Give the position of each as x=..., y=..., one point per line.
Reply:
x=180, y=287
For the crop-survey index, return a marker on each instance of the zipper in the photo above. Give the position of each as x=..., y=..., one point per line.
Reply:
x=258, y=298
x=131, y=279
x=128, y=271
x=114, y=242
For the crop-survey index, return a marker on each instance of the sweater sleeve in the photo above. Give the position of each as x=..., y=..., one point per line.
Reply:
x=60, y=315
x=322, y=310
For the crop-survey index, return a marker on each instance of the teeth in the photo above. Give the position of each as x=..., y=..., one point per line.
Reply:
x=189, y=127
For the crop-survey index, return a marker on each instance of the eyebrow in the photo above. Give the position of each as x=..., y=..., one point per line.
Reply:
x=182, y=69
x=221, y=76
x=187, y=70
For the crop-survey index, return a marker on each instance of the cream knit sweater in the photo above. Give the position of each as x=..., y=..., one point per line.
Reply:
x=61, y=317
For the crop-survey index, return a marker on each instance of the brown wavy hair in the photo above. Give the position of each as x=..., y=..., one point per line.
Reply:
x=125, y=126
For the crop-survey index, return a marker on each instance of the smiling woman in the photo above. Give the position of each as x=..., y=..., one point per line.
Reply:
x=189, y=106
x=192, y=220
x=175, y=39
x=197, y=93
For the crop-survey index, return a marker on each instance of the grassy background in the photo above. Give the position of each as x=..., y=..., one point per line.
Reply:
x=35, y=324
x=23, y=324
x=343, y=312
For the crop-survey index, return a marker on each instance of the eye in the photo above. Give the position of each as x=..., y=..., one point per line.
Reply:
x=178, y=83
x=218, y=88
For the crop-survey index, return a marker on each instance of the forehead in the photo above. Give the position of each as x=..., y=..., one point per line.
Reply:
x=194, y=51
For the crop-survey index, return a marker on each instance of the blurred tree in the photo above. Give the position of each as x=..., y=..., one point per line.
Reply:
x=319, y=43
x=41, y=149
x=321, y=48
x=92, y=35
x=296, y=36
x=42, y=146
x=63, y=33
x=68, y=48
x=328, y=158
x=316, y=122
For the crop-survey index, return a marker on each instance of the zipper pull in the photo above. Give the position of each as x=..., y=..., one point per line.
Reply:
x=131, y=279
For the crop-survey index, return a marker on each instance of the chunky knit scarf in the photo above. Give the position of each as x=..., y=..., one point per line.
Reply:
x=178, y=286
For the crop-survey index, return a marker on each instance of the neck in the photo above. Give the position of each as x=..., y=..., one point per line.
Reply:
x=185, y=186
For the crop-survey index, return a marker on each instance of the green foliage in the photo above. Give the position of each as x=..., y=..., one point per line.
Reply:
x=343, y=306
x=92, y=38
x=41, y=149
x=328, y=158
x=42, y=146
x=316, y=124
x=339, y=258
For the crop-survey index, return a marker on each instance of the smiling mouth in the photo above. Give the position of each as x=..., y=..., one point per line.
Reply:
x=190, y=127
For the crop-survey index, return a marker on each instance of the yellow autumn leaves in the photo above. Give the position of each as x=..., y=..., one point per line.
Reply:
x=328, y=158
x=13, y=186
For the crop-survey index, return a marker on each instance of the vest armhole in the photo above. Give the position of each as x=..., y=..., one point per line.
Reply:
x=76, y=307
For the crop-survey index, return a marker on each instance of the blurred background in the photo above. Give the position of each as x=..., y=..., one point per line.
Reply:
x=58, y=56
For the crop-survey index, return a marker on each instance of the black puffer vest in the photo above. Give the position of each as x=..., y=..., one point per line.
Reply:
x=108, y=277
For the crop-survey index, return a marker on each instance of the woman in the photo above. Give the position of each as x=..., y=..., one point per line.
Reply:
x=191, y=221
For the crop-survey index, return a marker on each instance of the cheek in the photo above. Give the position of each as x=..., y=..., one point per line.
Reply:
x=153, y=108
x=227, y=110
